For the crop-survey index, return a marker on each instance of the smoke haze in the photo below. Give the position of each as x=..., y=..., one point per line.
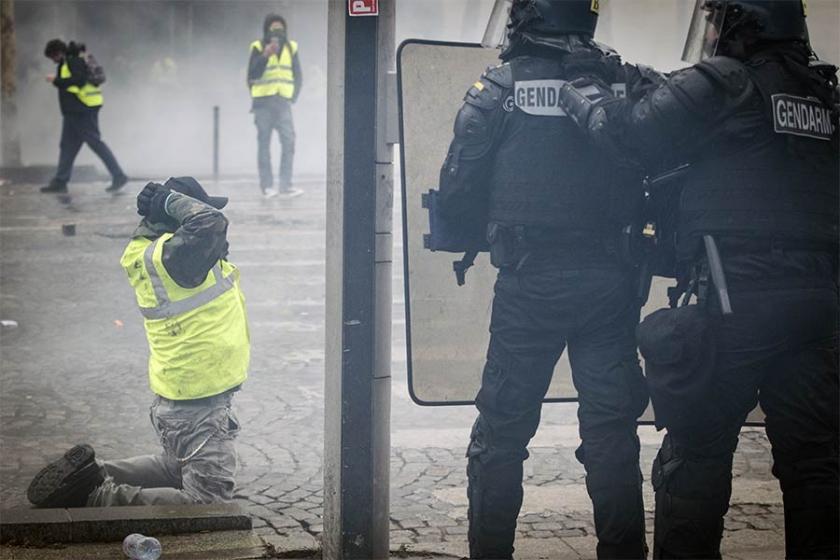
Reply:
x=169, y=62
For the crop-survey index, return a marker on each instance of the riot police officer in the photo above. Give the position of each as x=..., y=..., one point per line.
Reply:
x=553, y=210
x=756, y=120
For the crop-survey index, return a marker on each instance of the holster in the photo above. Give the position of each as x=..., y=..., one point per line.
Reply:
x=679, y=353
x=467, y=236
x=508, y=246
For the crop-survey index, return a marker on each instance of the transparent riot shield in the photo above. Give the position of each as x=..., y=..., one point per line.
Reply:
x=447, y=324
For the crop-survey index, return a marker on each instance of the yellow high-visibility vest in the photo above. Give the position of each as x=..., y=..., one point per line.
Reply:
x=278, y=77
x=88, y=94
x=198, y=337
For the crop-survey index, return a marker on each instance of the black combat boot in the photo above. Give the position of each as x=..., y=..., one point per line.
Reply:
x=68, y=481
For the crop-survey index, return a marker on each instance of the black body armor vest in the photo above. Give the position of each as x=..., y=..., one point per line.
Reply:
x=770, y=172
x=546, y=172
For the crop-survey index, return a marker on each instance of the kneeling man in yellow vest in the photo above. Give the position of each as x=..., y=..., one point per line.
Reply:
x=197, y=329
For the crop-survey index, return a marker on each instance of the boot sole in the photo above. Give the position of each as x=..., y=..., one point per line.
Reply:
x=55, y=480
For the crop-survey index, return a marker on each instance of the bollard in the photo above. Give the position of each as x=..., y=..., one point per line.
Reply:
x=215, y=142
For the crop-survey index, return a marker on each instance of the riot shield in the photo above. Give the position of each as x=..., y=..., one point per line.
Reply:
x=447, y=325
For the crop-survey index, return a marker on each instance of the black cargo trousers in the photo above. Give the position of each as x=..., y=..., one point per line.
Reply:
x=540, y=307
x=77, y=129
x=779, y=349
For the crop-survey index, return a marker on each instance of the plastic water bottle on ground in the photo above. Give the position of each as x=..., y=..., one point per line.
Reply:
x=140, y=547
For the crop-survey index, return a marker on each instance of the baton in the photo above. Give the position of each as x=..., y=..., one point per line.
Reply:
x=716, y=271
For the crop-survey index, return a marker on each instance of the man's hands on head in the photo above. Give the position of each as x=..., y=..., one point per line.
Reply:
x=151, y=202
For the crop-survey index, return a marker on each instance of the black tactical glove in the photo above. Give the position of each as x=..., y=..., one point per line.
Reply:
x=593, y=88
x=151, y=202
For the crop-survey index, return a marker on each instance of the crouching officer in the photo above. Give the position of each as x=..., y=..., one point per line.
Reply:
x=757, y=121
x=555, y=210
x=196, y=325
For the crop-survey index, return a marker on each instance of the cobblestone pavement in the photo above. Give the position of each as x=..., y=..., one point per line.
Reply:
x=74, y=370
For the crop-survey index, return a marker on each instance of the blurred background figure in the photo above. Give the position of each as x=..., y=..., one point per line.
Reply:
x=77, y=79
x=275, y=79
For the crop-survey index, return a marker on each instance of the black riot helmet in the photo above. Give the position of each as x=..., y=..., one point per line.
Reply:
x=718, y=25
x=556, y=25
x=554, y=17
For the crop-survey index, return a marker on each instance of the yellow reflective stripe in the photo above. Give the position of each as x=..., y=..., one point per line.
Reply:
x=88, y=94
x=167, y=308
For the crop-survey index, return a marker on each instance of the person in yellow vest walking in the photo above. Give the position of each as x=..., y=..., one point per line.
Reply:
x=275, y=79
x=80, y=101
x=197, y=329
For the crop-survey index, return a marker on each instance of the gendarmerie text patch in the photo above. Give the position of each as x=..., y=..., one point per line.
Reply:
x=802, y=116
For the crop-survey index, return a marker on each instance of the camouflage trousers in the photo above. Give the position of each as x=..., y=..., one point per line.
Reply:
x=198, y=463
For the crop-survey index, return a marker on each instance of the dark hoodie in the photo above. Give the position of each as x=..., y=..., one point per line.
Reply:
x=258, y=62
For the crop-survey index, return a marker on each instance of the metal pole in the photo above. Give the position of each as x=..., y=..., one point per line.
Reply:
x=215, y=142
x=359, y=206
x=8, y=86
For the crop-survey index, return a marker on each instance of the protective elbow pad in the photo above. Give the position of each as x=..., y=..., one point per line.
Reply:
x=472, y=126
x=704, y=93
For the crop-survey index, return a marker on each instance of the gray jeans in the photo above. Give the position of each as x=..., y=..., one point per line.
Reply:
x=198, y=463
x=275, y=114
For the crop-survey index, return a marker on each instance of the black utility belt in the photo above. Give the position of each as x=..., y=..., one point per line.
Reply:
x=540, y=237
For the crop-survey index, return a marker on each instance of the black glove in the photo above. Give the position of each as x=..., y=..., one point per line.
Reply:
x=151, y=202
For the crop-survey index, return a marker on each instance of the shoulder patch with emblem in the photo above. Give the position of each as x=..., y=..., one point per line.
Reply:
x=802, y=116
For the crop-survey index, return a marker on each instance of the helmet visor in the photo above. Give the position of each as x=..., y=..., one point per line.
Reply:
x=495, y=36
x=704, y=33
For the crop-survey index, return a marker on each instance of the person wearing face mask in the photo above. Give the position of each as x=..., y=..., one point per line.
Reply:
x=274, y=80
x=196, y=325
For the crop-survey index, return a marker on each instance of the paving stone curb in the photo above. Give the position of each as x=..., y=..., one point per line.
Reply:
x=87, y=525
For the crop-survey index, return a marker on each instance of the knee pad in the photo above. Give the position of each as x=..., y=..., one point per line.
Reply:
x=689, y=514
x=617, y=445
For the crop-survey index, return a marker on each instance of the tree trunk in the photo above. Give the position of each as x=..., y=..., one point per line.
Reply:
x=8, y=86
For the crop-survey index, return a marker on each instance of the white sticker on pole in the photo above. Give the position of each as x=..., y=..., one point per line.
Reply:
x=363, y=7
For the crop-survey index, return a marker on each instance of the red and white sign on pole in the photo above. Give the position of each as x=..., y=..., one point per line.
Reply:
x=363, y=7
